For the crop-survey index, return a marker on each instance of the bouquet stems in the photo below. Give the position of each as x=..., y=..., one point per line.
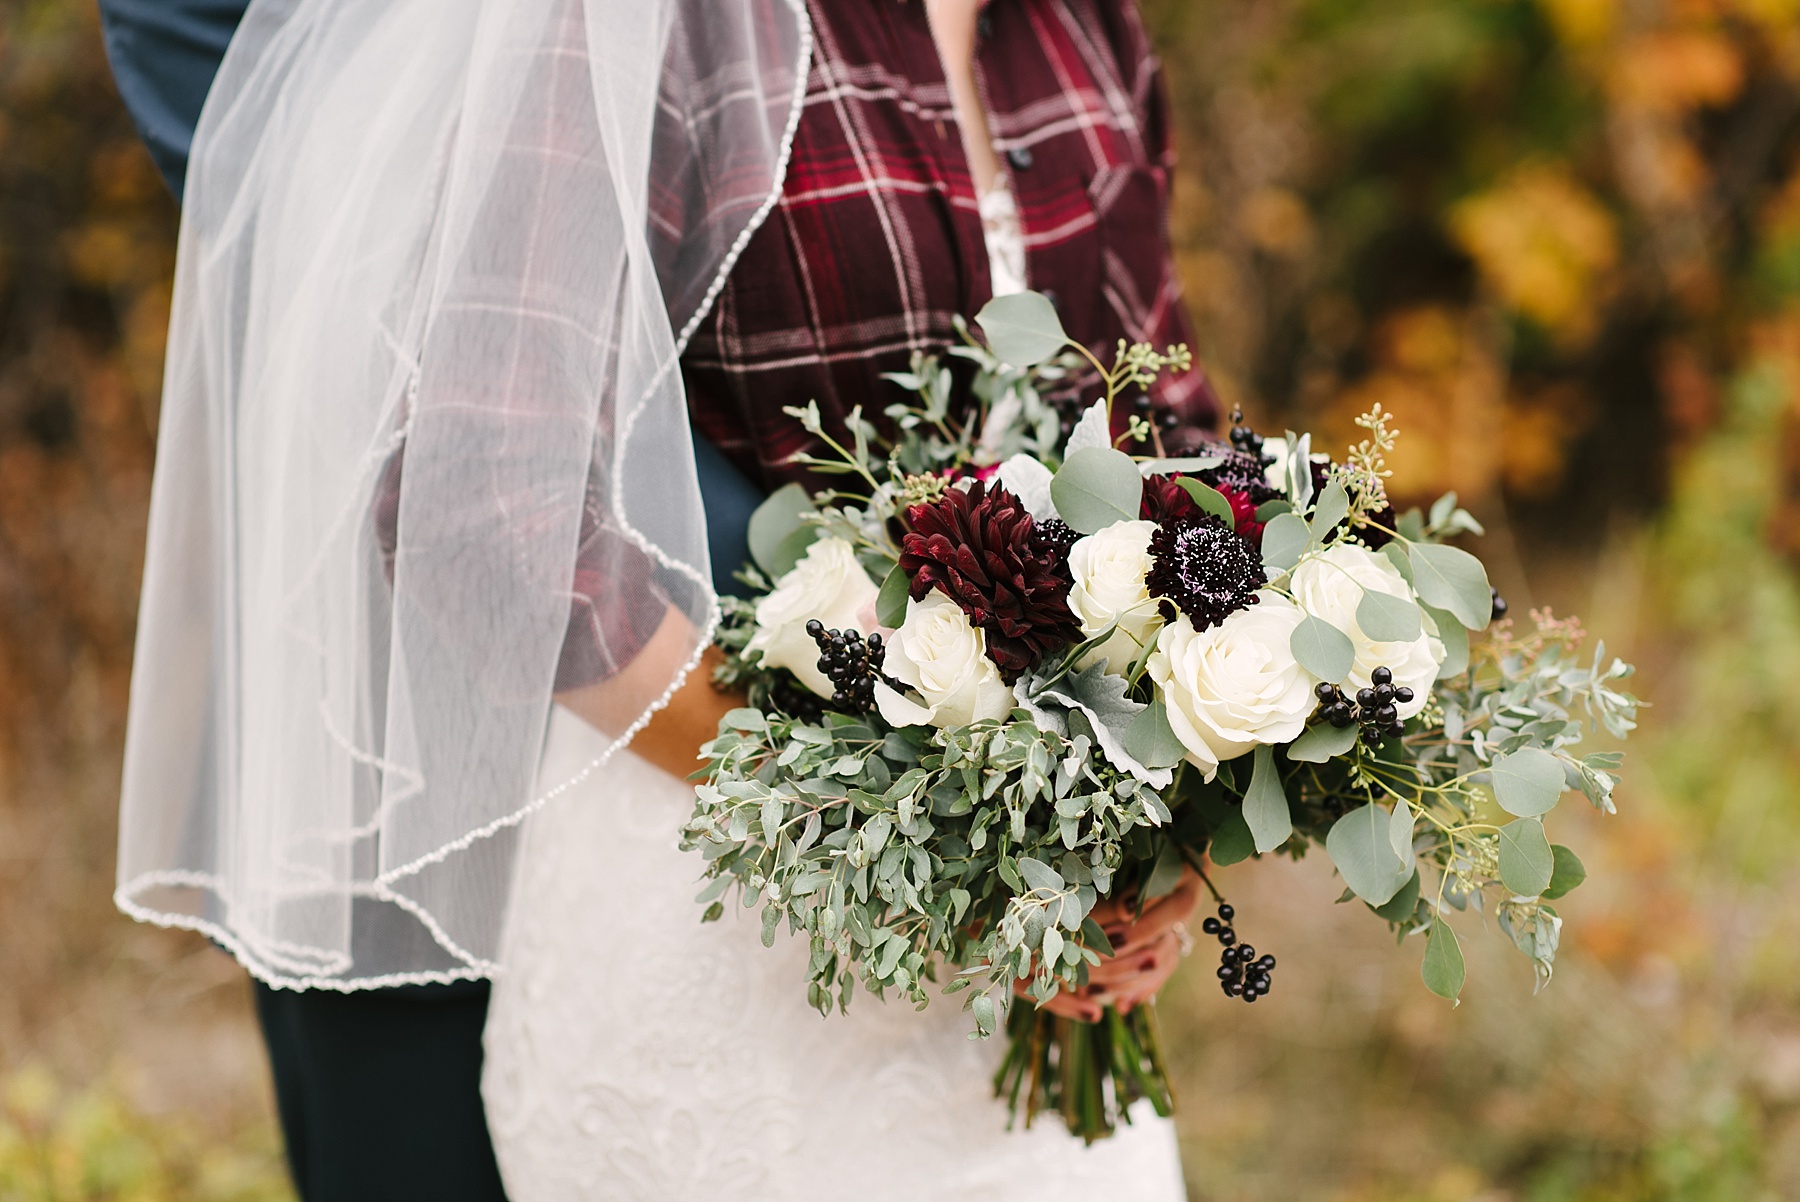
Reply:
x=1089, y=1073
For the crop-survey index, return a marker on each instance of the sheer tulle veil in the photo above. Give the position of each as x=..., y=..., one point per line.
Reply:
x=422, y=431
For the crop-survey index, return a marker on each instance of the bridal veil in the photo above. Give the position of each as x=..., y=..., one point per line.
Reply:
x=424, y=457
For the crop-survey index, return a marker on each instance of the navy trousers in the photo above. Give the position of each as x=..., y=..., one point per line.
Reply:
x=380, y=1092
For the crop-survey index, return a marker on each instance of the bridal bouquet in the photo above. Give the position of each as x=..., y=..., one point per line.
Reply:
x=1013, y=665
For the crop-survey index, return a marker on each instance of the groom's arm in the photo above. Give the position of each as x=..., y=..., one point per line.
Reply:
x=164, y=54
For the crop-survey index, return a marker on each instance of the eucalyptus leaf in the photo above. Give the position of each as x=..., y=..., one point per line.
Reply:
x=1323, y=742
x=1395, y=554
x=1151, y=740
x=890, y=601
x=1386, y=618
x=1165, y=467
x=1527, y=782
x=1268, y=510
x=1332, y=508
x=1455, y=638
x=773, y=523
x=1526, y=861
x=1443, y=968
x=1400, y=907
x=1266, y=804
x=1361, y=846
x=1165, y=874
x=1322, y=649
x=1567, y=873
x=1232, y=841
x=1450, y=578
x=1096, y=487
x=1284, y=540
x=1022, y=328
x=1209, y=499
x=1039, y=875
x=1400, y=831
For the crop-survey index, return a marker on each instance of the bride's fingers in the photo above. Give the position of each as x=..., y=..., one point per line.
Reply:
x=1158, y=920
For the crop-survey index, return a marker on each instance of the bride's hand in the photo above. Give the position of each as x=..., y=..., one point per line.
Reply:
x=672, y=738
x=1145, y=952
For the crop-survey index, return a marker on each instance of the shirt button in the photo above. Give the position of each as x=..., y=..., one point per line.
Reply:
x=1020, y=158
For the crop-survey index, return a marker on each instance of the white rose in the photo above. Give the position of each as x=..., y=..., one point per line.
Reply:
x=1109, y=569
x=938, y=653
x=1330, y=586
x=828, y=584
x=1233, y=686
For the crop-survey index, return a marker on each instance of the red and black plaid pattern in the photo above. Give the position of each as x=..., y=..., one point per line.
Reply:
x=876, y=243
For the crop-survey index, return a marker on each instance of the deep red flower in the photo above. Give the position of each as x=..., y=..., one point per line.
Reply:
x=1166, y=501
x=982, y=549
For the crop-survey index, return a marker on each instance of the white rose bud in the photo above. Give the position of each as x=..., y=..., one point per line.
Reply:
x=1109, y=591
x=1330, y=586
x=1235, y=685
x=828, y=584
x=940, y=655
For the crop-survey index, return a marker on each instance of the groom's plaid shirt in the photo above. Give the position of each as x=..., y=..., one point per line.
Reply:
x=877, y=242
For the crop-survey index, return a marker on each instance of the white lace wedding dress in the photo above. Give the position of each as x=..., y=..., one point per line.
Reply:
x=636, y=1053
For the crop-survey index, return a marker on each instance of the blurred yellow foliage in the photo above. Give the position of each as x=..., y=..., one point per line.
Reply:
x=1677, y=69
x=63, y=1146
x=1582, y=23
x=1544, y=244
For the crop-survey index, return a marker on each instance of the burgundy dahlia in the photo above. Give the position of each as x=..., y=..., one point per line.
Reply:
x=1203, y=569
x=981, y=549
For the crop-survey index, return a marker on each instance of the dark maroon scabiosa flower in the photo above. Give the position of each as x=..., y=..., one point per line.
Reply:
x=982, y=550
x=1056, y=537
x=1203, y=569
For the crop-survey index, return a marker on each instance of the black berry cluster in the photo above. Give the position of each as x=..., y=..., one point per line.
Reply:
x=851, y=665
x=1375, y=709
x=1241, y=974
x=1246, y=441
x=1500, y=605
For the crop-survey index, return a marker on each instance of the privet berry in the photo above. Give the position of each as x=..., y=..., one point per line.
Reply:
x=1375, y=708
x=851, y=665
x=1241, y=972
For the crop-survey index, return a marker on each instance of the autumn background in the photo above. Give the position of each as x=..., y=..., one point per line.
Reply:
x=1558, y=239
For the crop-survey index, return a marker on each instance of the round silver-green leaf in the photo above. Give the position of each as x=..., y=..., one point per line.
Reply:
x=1322, y=742
x=1322, y=649
x=1284, y=539
x=1361, y=845
x=1443, y=968
x=1386, y=618
x=1022, y=328
x=1096, y=487
x=1527, y=782
x=1526, y=862
x=1450, y=578
x=1569, y=872
x=776, y=530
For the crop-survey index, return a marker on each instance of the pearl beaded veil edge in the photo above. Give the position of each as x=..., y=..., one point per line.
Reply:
x=437, y=264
